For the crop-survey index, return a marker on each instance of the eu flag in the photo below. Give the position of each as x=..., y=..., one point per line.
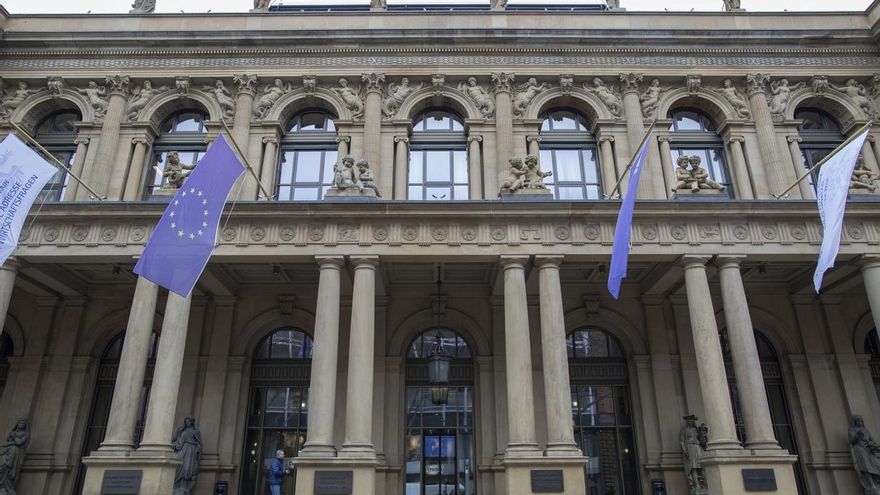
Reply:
x=181, y=244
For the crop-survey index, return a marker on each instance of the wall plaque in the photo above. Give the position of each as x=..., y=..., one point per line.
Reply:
x=759, y=480
x=547, y=481
x=122, y=482
x=334, y=482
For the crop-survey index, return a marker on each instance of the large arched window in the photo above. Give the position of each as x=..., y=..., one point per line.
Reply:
x=184, y=133
x=439, y=437
x=820, y=134
x=569, y=151
x=779, y=411
x=6, y=350
x=602, y=412
x=100, y=410
x=278, y=405
x=694, y=133
x=438, y=164
x=872, y=348
x=308, y=154
x=57, y=134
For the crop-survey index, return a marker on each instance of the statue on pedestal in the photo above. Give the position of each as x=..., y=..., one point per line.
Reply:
x=12, y=456
x=863, y=177
x=534, y=175
x=865, y=455
x=353, y=179
x=691, y=452
x=514, y=182
x=701, y=176
x=365, y=175
x=143, y=7
x=683, y=175
x=187, y=442
x=175, y=171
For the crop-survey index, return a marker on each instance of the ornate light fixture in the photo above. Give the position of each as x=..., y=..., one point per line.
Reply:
x=438, y=372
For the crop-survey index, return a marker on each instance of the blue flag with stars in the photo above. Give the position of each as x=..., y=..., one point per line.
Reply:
x=184, y=238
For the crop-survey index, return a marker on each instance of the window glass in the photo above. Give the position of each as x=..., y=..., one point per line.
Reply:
x=57, y=134
x=569, y=152
x=438, y=160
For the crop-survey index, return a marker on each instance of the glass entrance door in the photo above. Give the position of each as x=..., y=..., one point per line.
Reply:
x=440, y=454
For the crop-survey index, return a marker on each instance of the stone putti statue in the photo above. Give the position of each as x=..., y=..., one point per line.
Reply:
x=12, y=455
x=353, y=179
x=187, y=442
x=175, y=171
x=143, y=7
x=863, y=177
x=696, y=178
x=262, y=4
x=865, y=455
x=525, y=177
x=691, y=452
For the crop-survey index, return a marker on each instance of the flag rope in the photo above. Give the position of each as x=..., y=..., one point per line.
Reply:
x=229, y=215
x=245, y=160
x=55, y=161
x=632, y=160
x=784, y=194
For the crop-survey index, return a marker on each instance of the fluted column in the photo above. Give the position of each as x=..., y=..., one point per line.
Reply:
x=770, y=155
x=159, y=424
x=740, y=169
x=401, y=166
x=871, y=275
x=632, y=109
x=270, y=162
x=710, y=361
x=666, y=164
x=8, y=272
x=373, y=118
x=557, y=390
x=876, y=148
x=869, y=157
x=518, y=360
x=79, y=160
x=245, y=91
x=124, y=407
x=797, y=158
x=136, y=170
x=475, y=167
x=534, y=145
x=606, y=157
x=359, y=393
x=342, y=143
x=102, y=167
x=746, y=362
x=503, y=120
x=322, y=389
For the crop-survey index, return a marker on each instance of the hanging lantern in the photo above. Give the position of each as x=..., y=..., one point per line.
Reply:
x=438, y=372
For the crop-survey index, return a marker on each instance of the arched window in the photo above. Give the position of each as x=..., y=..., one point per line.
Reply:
x=872, y=348
x=278, y=404
x=779, y=411
x=569, y=151
x=183, y=133
x=57, y=134
x=438, y=164
x=602, y=412
x=439, y=436
x=694, y=133
x=100, y=410
x=820, y=134
x=308, y=154
x=6, y=350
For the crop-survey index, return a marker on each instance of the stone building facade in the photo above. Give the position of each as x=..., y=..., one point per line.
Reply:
x=314, y=323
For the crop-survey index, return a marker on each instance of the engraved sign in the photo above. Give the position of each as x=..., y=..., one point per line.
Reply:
x=127, y=482
x=547, y=481
x=759, y=480
x=333, y=482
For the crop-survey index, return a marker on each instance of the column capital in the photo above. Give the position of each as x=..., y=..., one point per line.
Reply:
x=606, y=139
x=867, y=262
x=373, y=82
x=333, y=262
x=118, y=85
x=475, y=138
x=365, y=261
x=793, y=139
x=756, y=83
x=689, y=261
x=401, y=139
x=730, y=261
x=630, y=82
x=548, y=260
x=514, y=261
x=502, y=81
x=736, y=139
x=245, y=84
x=663, y=139
x=270, y=139
x=139, y=140
x=82, y=140
x=533, y=138
x=343, y=139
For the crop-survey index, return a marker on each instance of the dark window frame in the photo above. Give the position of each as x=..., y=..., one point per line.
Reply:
x=295, y=142
x=450, y=140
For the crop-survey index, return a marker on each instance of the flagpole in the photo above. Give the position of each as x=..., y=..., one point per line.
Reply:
x=245, y=160
x=633, y=159
x=784, y=194
x=56, y=161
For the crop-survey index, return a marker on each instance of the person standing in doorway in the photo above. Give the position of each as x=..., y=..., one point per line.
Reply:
x=277, y=473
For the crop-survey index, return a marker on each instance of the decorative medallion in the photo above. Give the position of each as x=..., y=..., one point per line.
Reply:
x=856, y=232
x=498, y=232
x=137, y=234
x=258, y=234
x=591, y=231
x=316, y=233
x=410, y=233
x=798, y=232
x=287, y=233
x=439, y=233
x=709, y=231
x=649, y=232
x=469, y=232
x=741, y=232
x=769, y=232
x=108, y=234
x=80, y=233
x=228, y=234
x=380, y=233
x=562, y=232
x=347, y=233
x=678, y=232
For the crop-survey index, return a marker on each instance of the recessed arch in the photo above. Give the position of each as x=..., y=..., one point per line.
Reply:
x=835, y=103
x=38, y=106
x=577, y=99
x=103, y=331
x=246, y=339
x=863, y=327
x=12, y=327
x=781, y=336
x=704, y=100
x=426, y=98
x=414, y=324
x=298, y=100
x=612, y=322
x=168, y=103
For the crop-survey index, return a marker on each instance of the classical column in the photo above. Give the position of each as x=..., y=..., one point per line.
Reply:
x=373, y=118
x=534, y=145
x=870, y=158
x=342, y=143
x=7, y=283
x=401, y=166
x=159, y=424
x=557, y=391
x=740, y=169
x=503, y=119
x=136, y=170
x=871, y=276
x=797, y=159
x=632, y=109
x=746, y=363
x=322, y=389
x=876, y=149
x=245, y=91
x=475, y=167
x=757, y=91
x=124, y=407
x=102, y=167
x=518, y=360
x=270, y=160
x=666, y=164
x=359, y=393
x=710, y=361
x=606, y=163
x=79, y=160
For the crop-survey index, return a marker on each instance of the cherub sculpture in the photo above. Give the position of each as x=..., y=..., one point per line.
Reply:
x=351, y=98
x=396, y=95
x=526, y=94
x=701, y=176
x=481, y=97
x=175, y=172
x=863, y=177
x=515, y=181
x=534, y=175
x=140, y=97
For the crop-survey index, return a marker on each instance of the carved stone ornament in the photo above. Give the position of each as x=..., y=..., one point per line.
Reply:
x=223, y=97
x=351, y=98
x=525, y=177
x=245, y=83
x=693, y=83
x=780, y=94
x=438, y=82
x=819, y=84
x=692, y=441
x=502, y=81
x=12, y=456
x=55, y=85
x=605, y=95
x=97, y=96
x=175, y=172
x=187, y=443
x=271, y=94
x=379, y=4
x=732, y=6
x=485, y=102
x=875, y=85
x=396, y=95
x=650, y=99
x=310, y=83
x=525, y=94
x=862, y=177
x=865, y=454
x=566, y=83
x=118, y=85
x=630, y=82
x=353, y=179
x=498, y=4
x=140, y=97
x=739, y=104
x=373, y=82
x=756, y=83
x=182, y=85
x=262, y=4
x=695, y=179
x=12, y=99
x=857, y=93
x=143, y=7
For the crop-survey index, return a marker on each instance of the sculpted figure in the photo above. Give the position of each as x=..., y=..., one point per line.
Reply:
x=651, y=98
x=97, y=97
x=15, y=98
x=499, y=4
x=481, y=97
x=729, y=92
x=142, y=96
x=701, y=177
x=365, y=176
x=534, y=175
x=350, y=97
x=396, y=95
x=271, y=94
x=515, y=181
x=611, y=101
x=526, y=94
x=858, y=95
x=683, y=176
x=344, y=176
x=187, y=442
x=143, y=7
x=12, y=455
x=730, y=5
x=378, y=4
x=781, y=94
x=223, y=97
x=865, y=455
x=691, y=452
x=175, y=171
x=863, y=177
x=262, y=4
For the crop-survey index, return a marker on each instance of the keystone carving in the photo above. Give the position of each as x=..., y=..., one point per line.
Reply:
x=223, y=97
x=693, y=82
x=438, y=82
x=525, y=94
x=729, y=92
x=310, y=83
x=566, y=83
x=55, y=85
x=271, y=93
x=819, y=84
x=605, y=95
x=396, y=95
x=182, y=85
x=480, y=96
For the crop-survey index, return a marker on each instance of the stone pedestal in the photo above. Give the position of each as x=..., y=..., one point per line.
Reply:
x=351, y=194
x=700, y=195
x=158, y=471
x=518, y=474
x=724, y=471
x=528, y=195
x=363, y=472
